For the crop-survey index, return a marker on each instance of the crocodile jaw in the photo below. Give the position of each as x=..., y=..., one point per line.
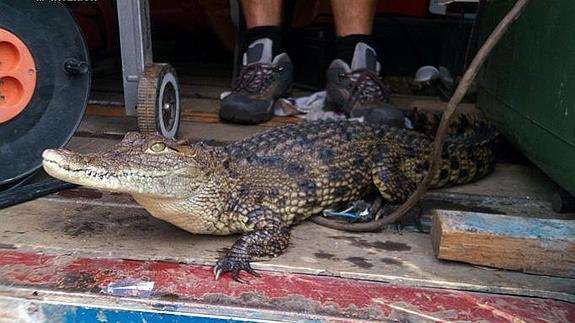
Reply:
x=82, y=170
x=67, y=166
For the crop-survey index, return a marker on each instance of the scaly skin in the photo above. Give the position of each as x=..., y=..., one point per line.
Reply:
x=262, y=185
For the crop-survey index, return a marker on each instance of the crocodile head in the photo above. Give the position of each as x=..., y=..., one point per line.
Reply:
x=141, y=164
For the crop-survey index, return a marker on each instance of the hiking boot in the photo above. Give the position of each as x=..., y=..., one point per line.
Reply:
x=261, y=81
x=357, y=90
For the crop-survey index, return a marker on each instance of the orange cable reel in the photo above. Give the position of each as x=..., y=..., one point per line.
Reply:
x=17, y=76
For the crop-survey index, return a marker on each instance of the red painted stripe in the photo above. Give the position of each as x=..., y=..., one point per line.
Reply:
x=195, y=283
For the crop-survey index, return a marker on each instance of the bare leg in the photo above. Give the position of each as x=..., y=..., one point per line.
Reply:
x=353, y=17
x=266, y=71
x=356, y=51
x=262, y=12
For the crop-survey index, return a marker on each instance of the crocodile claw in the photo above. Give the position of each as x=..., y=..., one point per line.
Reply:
x=234, y=265
x=217, y=272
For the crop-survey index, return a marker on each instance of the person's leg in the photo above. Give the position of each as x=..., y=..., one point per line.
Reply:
x=353, y=17
x=263, y=20
x=262, y=12
x=353, y=84
x=353, y=24
x=266, y=70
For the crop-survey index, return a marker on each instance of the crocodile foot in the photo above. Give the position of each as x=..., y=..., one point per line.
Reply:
x=234, y=264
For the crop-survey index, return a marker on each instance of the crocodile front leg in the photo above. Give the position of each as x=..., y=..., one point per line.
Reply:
x=269, y=238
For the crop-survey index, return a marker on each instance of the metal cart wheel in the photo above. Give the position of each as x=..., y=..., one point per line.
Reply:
x=158, y=106
x=151, y=89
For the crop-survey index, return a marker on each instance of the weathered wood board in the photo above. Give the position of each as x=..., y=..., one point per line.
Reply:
x=531, y=245
x=89, y=223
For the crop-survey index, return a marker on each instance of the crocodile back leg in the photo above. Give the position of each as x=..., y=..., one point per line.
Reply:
x=401, y=162
x=389, y=177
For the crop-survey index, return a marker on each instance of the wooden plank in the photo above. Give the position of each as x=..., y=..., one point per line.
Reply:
x=192, y=93
x=188, y=114
x=96, y=126
x=203, y=110
x=218, y=132
x=100, y=224
x=116, y=128
x=426, y=103
x=105, y=90
x=90, y=145
x=531, y=245
x=93, y=289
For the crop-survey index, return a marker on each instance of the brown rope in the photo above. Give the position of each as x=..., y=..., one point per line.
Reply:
x=458, y=95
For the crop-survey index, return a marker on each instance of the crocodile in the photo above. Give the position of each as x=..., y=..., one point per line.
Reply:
x=261, y=186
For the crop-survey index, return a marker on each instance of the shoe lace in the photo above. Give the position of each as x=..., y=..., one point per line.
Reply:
x=254, y=78
x=367, y=87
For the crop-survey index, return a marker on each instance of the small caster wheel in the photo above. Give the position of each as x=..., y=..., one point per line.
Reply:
x=159, y=108
x=562, y=202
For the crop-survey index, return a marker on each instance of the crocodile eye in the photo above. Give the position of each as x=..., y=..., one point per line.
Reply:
x=158, y=147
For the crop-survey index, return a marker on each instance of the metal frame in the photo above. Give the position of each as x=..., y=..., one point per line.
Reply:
x=239, y=25
x=136, y=46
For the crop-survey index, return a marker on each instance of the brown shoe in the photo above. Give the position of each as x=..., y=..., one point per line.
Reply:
x=261, y=81
x=358, y=91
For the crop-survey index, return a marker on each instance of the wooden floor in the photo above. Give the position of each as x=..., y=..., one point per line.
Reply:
x=89, y=223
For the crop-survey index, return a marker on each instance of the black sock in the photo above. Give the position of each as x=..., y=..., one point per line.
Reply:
x=272, y=32
x=345, y=46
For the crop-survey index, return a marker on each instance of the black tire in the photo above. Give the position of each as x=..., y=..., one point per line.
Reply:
x=56, y=108
x=159, y=107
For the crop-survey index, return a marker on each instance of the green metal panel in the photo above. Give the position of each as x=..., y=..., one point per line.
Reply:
x=527, y=85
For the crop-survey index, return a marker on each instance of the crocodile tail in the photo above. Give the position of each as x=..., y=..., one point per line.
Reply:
x=427, y=122
x=467, y=156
